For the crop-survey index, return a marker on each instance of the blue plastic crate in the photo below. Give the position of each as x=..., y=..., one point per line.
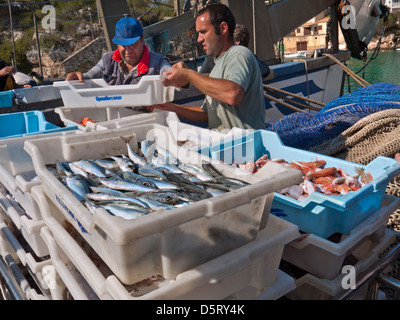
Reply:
x=320, y=214
x=20, y=124
x=6, y=98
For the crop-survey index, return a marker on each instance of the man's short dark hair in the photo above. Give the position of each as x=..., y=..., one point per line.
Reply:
x=219, y=13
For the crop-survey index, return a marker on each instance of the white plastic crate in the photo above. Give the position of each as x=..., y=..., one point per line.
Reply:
x=37, y=94
x=194, y=137
x=310, y=287
x=280, y=287
x=10, y=245
x=186, y=135
x=29, y=228
x=99, y=114
x=76, y=285
x=157, y=117
x=160, y=242
x=253, y=265
x=97, y=93
x=324, y=258
x=17, y=172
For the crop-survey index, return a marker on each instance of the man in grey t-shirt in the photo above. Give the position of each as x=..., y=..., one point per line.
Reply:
x=234, y=92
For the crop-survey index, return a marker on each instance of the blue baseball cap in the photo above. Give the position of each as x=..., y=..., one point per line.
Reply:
x=128, y=30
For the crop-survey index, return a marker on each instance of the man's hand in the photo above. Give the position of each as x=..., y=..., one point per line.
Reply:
x=75, y=76
x=157, y=106
x=6, y=71
x=177, y=77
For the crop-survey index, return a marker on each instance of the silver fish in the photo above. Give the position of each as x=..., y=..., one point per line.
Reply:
x=149, y=171
x=156, y=205
x=164, y=167
x=122, y=184
x=139, y=179
x=125, y=164
x=163, y=184
x=77, y=170
x=107, y=197
x=107, y=164
x=107, y=190
x=163, y=197
x=78, y=186
x=196, y=171
x=211, y=170
x=90, y=206
x=126, y=213
x=144, y=145
x=62, y=170
x=90, y=167
x=134, y=156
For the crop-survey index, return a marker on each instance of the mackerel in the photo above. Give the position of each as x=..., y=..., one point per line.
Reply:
x=122, y=184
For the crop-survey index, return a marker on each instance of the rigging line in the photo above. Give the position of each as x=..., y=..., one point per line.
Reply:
x=293, y=95
x=282, y=102
x=305, y=106
x=357, y=78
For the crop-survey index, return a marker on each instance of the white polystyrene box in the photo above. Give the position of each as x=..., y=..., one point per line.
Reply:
x=160, y=242
x=97, y=93
x=325, y=258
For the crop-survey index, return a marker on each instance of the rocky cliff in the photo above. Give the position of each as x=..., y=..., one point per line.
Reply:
x=388, y=42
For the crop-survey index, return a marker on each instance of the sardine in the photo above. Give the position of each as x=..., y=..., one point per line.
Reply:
x=107, y=164
x=163, y=197
x=90, y=167
x=122, y=184
x=230, y=182
x=77, y=170
x=196, y=171
x=62, y=170
x=211, y=170
x=156, y=205
x=124, y=212
x=106, y=197
x=149, y=171
x=139, y=179
x=125, y=164
x=163, y=184
x=78, y=186
x=134, y=156
x=107, y=190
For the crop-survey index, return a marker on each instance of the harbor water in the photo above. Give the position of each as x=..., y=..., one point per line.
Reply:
x=385, y=68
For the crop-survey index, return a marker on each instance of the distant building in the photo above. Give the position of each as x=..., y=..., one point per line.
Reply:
x=393, y=5
x=311, y=36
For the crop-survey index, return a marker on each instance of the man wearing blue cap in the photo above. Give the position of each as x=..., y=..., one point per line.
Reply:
x=129, y=62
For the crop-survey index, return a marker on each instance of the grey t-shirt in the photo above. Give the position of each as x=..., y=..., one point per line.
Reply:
x=239, y=65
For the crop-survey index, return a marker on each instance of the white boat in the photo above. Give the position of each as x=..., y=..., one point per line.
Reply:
x=298, y=54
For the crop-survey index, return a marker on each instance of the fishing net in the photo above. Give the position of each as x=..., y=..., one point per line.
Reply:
x=357, y=127
x=306, y=130
x=375, y=135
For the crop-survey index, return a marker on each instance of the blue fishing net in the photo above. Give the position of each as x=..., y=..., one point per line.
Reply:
x=306, y=130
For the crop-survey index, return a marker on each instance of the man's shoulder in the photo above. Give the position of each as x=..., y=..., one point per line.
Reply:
x=157, y=55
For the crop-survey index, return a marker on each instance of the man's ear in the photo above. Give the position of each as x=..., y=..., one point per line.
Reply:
x=223, y=28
